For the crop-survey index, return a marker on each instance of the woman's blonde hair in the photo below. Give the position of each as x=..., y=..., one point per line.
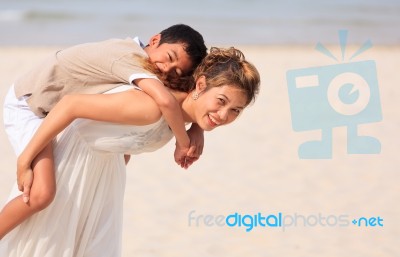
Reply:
x=183, y=84
x=228, y=67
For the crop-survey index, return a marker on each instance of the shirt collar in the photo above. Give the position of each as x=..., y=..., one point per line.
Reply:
x=137, y=40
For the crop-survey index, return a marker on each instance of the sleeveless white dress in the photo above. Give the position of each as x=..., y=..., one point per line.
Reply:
x=85, y=218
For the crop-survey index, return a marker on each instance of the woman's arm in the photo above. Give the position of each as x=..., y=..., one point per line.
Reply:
x=129, y=107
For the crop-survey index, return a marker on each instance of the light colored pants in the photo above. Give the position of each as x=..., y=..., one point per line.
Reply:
x=19, y=121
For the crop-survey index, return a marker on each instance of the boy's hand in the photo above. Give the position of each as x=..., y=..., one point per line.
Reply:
x=24, y=180
x=196, y=135
x=186, y=156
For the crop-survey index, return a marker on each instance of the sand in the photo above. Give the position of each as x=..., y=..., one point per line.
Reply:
x=251, y=167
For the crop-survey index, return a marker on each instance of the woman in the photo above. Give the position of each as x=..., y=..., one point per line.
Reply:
x=85, y=217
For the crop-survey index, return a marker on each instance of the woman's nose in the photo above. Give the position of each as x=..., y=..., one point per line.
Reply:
x=223, y=115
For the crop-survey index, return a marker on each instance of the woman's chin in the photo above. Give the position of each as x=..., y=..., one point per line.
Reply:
x=208, y=125
x=205, y=127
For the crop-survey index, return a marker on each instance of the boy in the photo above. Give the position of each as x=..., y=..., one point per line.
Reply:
x=91, y=69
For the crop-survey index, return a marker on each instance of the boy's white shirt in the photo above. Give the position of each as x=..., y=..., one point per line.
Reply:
x=133, y=77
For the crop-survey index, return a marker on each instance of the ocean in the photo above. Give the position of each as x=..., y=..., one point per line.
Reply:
x=222, y=22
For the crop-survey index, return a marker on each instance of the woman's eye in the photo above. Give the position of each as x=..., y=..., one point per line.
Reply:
x=221, y=101
x=237, y=111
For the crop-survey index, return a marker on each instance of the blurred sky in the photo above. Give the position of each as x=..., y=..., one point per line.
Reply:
x=46, y=22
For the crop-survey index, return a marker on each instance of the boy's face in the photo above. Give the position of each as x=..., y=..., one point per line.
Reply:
x=170, y=59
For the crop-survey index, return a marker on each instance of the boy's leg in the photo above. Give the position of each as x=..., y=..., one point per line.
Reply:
x=20, y=124
x=42, y=193
x=44, y=183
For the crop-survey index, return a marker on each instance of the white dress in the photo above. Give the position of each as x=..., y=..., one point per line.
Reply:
x=85, y=218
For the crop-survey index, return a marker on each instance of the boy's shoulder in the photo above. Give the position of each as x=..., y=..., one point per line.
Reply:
x=126, y=45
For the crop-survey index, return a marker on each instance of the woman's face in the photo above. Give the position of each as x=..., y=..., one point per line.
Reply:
x=219, y=106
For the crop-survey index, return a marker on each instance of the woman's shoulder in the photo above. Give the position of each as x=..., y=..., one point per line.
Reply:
x=130, y=105
x=138, y=103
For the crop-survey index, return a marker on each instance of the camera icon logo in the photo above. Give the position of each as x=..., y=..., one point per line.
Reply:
x=325, y=97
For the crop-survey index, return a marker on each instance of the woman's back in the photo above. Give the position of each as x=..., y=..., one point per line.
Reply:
x=85, y=218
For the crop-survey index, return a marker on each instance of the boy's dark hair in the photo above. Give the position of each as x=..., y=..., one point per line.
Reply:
x=193, y=41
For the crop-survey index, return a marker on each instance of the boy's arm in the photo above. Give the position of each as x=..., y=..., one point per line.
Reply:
x=172, y=113
x=196, y=135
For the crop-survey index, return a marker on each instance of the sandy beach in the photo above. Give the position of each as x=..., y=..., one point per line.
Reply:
x=252, y=167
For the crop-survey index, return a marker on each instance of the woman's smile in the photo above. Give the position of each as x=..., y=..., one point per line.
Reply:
x=213, y=121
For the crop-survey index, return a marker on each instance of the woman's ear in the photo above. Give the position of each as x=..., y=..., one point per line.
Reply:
x=155, y=40
x=201, y=84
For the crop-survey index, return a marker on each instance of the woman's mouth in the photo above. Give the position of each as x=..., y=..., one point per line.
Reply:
x=212, y=121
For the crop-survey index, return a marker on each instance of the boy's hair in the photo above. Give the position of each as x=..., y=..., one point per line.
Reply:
x=191, y=39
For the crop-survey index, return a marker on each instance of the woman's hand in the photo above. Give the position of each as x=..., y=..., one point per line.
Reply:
x=24, y=178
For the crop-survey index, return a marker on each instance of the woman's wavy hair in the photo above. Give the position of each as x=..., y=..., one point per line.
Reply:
x=222, y=67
